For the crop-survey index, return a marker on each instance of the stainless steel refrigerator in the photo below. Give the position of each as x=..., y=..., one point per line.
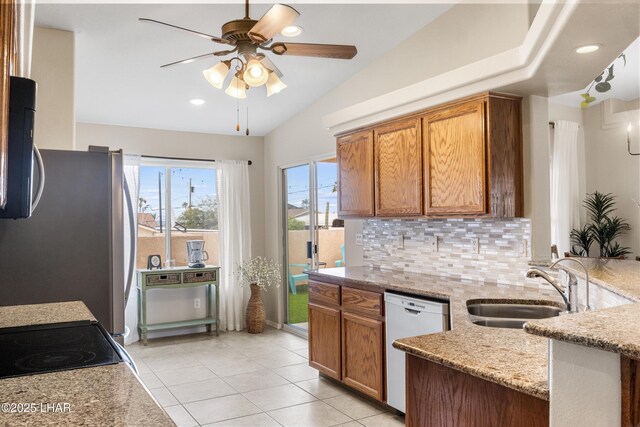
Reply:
x=72, y=247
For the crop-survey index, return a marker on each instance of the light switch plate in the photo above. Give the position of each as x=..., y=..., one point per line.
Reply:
x=359, y=238
x=475, y=245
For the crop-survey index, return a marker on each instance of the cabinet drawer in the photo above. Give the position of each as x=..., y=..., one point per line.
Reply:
x=163, y=279
x=199, y=277
x=362, y=301
x=324, y=293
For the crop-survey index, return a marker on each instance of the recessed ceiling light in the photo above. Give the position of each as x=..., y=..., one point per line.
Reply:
x=291, y=31
x=197, y=101
x=588, y=48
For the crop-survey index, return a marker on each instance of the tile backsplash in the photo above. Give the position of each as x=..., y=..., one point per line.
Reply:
x=492, y=250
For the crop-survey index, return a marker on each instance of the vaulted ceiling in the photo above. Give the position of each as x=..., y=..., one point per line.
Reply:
x=118, y=79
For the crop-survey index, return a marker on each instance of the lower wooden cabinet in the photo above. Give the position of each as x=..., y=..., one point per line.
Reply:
x=324, y=340
x=363, y=354
x=346, y=336
x=445, y=397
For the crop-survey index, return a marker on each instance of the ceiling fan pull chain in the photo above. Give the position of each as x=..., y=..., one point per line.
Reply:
x=247, y=132
x=237, y=112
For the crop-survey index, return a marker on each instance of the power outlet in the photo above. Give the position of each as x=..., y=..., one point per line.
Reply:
x=359, y=238
x=400, y=241
x=475, y=245
x=522, y=247
x=432, y=243
x=196, y=303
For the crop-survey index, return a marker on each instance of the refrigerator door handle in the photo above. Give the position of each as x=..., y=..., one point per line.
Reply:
x=132, y=243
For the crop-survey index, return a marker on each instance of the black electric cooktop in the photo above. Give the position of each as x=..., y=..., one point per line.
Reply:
x=38, y=349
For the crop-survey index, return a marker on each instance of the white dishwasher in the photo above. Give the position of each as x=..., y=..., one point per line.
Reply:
x=408, y=317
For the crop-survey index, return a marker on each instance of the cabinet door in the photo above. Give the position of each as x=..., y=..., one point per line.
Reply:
x=355, y=174
x=324, y=340
x=363, y=354
x=455, y=161
x=398, y=168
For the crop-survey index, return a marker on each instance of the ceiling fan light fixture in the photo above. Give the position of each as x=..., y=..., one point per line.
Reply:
x=292, y=31
x=256, y=74
x=274, y=84
x=236, y=88
x=216, y=74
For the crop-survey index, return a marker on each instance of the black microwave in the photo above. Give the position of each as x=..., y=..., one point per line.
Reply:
x=22, y=109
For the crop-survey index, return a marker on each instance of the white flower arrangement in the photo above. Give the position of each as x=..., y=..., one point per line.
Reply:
x=259, y=271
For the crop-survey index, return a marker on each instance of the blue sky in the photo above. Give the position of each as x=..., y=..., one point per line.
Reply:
x=298, y=185
x=203, y=181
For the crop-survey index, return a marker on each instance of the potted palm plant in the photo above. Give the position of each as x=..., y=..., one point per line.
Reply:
x=259, y=273
x=603, y=229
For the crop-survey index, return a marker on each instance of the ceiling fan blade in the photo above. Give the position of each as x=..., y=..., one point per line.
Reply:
x=197, y=33
x=270, y=65
x=272, y=22
x=188, y=60
x=336, y=51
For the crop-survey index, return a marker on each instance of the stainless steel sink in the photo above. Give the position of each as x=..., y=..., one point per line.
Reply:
x=507, y=315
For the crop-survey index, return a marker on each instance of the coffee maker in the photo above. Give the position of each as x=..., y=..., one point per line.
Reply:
x=196, y=253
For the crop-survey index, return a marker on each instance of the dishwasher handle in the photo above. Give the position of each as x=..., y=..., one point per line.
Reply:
x=414, y=312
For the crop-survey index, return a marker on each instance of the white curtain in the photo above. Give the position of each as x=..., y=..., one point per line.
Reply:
x=565, y=200
x=234, y=223
x=132, y=175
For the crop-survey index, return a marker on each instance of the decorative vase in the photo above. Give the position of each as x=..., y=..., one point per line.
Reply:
x=255, y=311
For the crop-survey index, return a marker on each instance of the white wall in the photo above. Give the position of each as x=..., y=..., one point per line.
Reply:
x=440, y=46
x=610, y=169
x=604, y=164
x=53, y=69
x=584, y=386
x=535, y=130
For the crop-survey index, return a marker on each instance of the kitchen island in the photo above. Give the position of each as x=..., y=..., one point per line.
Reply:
x=103, y=395
x=502, y=367
x=601, y=385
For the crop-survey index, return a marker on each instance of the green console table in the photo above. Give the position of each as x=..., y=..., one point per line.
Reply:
x=178, y=278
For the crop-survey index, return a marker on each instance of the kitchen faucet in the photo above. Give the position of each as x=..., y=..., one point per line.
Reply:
x=570, y=293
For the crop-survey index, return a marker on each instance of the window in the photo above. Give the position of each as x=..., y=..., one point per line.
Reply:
x=177, y=202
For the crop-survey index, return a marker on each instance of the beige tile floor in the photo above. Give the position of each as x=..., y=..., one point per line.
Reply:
x=238, y=379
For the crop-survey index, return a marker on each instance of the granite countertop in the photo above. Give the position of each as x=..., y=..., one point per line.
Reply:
x=612, y=329
x=42, y=314
x=102, y=395
x=621, y=277
x=509, y=357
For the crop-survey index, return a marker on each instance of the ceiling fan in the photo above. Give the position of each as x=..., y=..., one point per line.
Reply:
x=244, y=37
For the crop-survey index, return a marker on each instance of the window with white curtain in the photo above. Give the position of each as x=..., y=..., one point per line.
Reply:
x=177, y=202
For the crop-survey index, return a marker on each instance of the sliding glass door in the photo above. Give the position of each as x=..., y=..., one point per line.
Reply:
x=313, y=237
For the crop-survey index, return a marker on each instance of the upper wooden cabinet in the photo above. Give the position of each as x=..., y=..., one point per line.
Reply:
x=355, y=174
x=398, y=168
x=454, y=159
x=463, y=158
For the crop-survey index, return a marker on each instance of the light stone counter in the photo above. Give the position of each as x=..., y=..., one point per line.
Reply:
x=509, y=357
x=612, y=329
x=110, y=395
x=42, y=314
